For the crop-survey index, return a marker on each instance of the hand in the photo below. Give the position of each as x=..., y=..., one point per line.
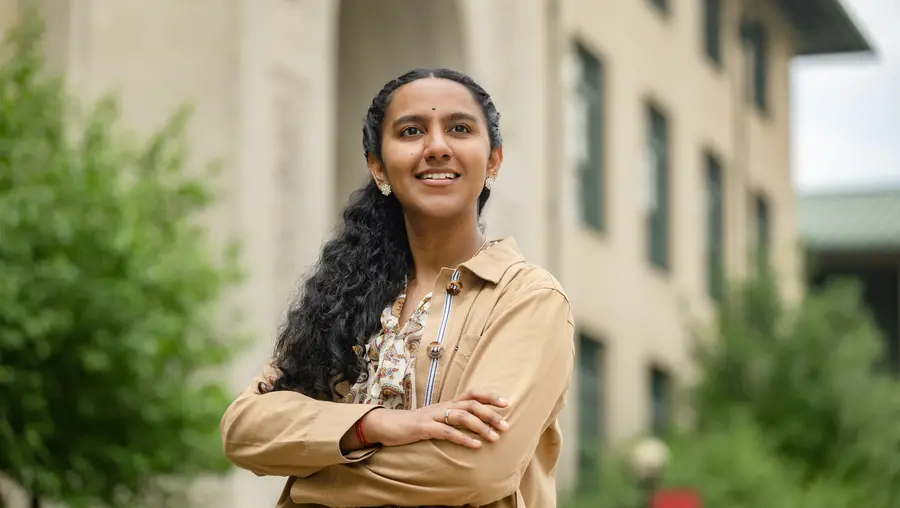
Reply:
x=472, y=411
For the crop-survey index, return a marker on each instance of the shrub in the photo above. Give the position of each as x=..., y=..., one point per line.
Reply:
x=108, y=330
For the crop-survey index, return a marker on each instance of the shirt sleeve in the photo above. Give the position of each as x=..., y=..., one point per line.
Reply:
x=285, y=433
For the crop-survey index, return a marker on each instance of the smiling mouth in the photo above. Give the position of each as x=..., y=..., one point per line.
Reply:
x=438, y=176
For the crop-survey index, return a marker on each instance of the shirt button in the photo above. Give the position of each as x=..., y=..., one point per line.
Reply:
x=435, y=350
x=454, y=287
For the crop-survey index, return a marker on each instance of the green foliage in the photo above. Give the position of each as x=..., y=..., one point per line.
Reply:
x=109, y=338
x=739, y=452
x=732, y=466
x=808, y=378
x=614, y=488
x=791, y=410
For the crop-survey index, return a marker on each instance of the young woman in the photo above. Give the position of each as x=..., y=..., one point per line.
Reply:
x=423, y=365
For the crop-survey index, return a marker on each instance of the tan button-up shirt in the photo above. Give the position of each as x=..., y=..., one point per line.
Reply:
x=507, y=328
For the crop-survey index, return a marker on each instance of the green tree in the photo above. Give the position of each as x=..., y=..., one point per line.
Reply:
x=731, y=464
x=808, y=377
x=790, y=410
x=110, y=333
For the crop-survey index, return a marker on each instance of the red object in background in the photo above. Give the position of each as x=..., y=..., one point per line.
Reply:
x=677, y=498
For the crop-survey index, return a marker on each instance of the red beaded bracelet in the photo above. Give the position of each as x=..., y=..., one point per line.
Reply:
x=361, y=436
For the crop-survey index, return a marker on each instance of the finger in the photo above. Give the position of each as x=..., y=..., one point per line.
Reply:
x=484, y=397
x=448, y=433
x=485, y=413
x=467, y=419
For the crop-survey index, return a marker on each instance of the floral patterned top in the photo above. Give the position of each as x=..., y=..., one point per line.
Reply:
x=389, y=379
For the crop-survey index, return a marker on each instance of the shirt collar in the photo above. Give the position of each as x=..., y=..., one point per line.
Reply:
x=491, y=263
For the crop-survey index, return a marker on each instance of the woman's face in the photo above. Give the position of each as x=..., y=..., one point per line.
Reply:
x=435, y=150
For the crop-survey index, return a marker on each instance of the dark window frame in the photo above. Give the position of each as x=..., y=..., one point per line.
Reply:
x=664, y=7
x=659, y=219
x=713, y=25
x=762, y=223
x=756, y=40
x=592, y=172
x=716, y=216
x=591, y=362
x=661, y=385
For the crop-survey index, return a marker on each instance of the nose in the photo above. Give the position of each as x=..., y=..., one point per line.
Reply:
x=436, y=147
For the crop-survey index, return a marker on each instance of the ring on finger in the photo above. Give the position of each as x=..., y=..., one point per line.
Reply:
x=447, y=417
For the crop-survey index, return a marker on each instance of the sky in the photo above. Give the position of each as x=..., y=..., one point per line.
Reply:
x=846, y=110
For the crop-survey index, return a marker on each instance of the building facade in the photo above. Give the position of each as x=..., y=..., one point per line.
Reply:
x=646, y=151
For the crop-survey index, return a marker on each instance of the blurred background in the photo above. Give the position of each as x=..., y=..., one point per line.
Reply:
x=686, y=168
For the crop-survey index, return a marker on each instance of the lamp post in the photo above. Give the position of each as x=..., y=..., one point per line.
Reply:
x=649, y=459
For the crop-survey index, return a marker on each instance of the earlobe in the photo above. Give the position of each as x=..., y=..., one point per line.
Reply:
x=494, y=162
x=376, y=169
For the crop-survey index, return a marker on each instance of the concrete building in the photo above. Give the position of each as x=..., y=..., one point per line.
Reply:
x=647, y=149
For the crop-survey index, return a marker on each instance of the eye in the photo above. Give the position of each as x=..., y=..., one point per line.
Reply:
x=460, y=128
x=410, y=131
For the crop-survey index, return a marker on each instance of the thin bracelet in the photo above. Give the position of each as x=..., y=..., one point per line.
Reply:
x=360, y=435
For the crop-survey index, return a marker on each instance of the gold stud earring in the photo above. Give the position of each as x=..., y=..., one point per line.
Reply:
x=385, y=189
x=489, y=182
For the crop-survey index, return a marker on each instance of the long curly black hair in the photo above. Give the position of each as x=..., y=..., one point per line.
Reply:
x=360, y=271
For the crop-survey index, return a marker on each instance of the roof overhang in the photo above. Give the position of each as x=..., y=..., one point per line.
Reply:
x=824, y=27
x=845, y=221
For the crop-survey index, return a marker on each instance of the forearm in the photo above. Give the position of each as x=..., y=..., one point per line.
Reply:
x=356, y=438
x=350, y=441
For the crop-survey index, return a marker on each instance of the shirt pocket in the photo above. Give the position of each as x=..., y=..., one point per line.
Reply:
x=465, y=348
x=462, y=353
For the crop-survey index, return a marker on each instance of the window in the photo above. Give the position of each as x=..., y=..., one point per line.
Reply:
x=756, y=42
x=590, y=408
x=658, y=216
x=592, y=146
x=763, y=233
x=712, y=10
x=661, y=403
x=662, y=5
x=715, y=224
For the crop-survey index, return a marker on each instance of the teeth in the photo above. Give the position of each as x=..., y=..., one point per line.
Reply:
x=439, y=176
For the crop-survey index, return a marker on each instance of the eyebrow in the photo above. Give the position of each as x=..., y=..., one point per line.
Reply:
x=454, y=117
